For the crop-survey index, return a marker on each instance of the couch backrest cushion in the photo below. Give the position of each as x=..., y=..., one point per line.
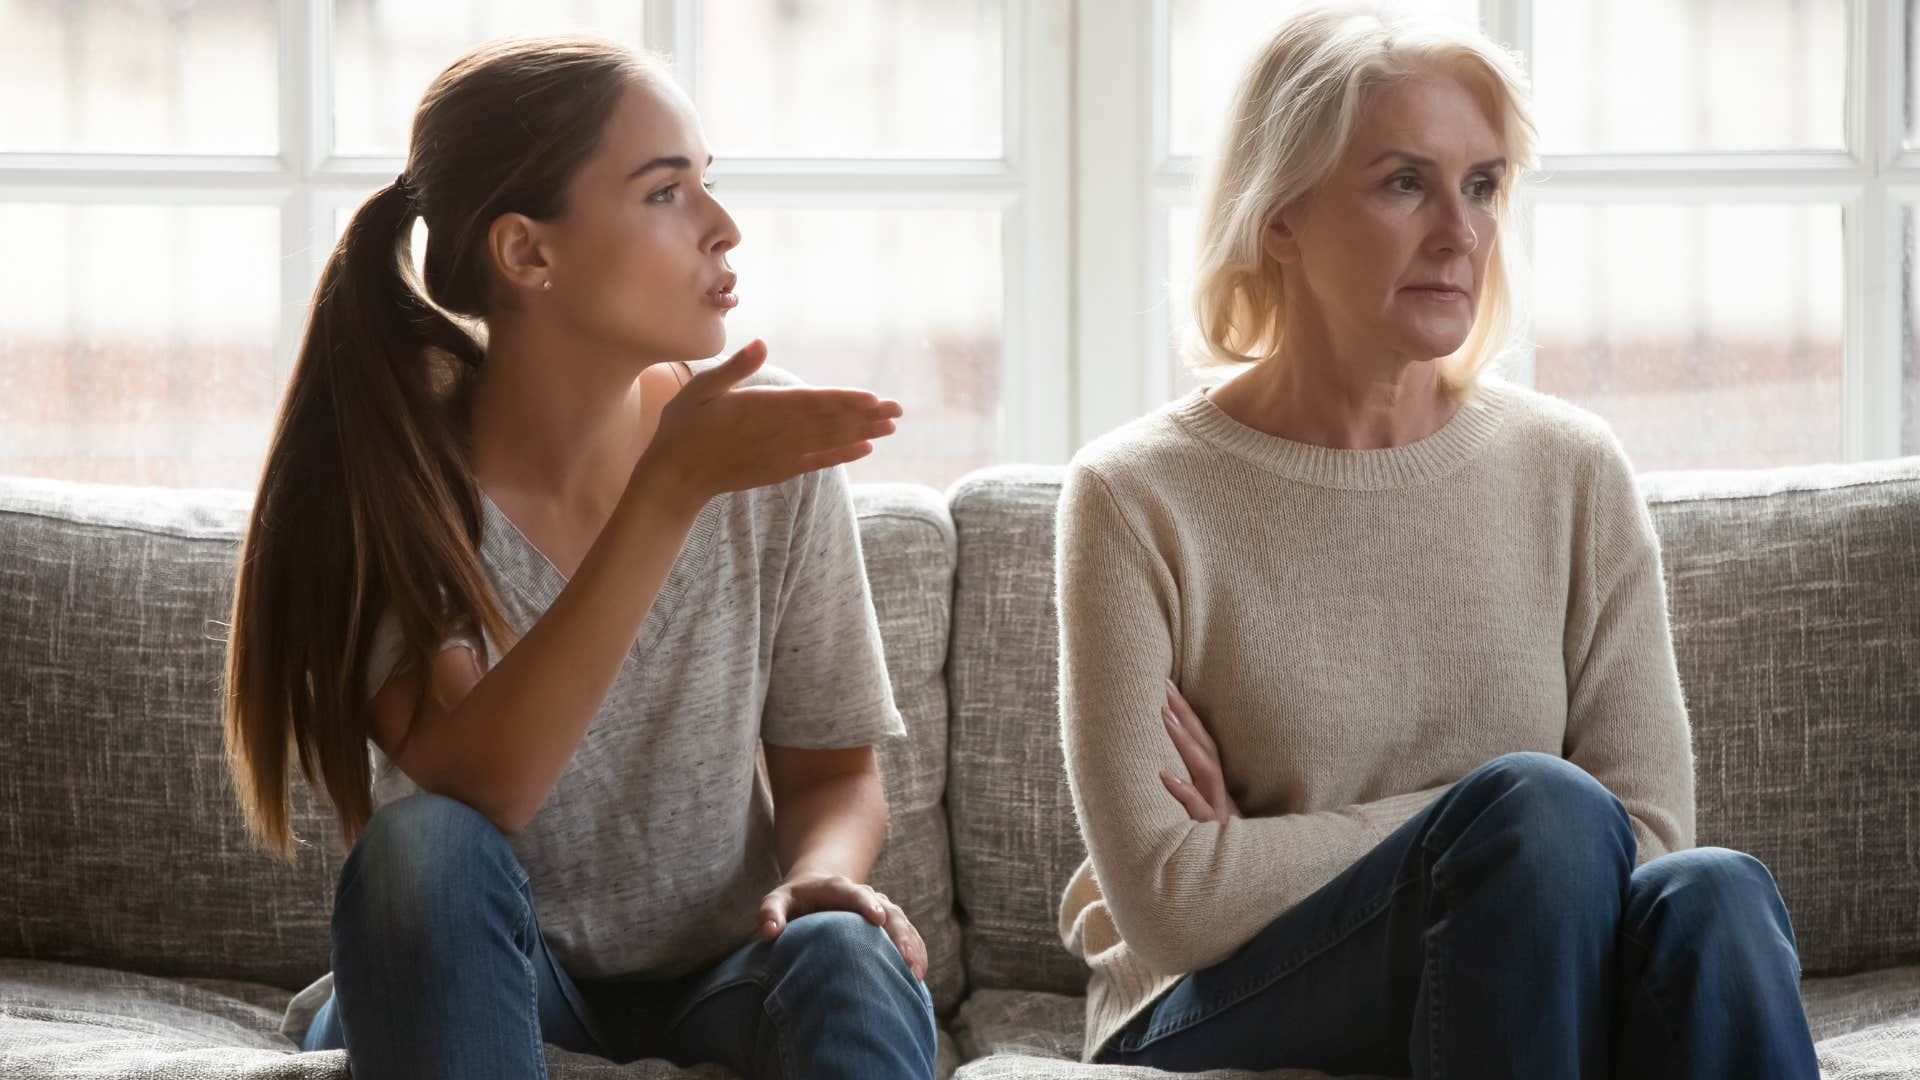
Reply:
x=907, y=540
x=1014, y=837
x=121, y=839
x=123, y=844
x=1795, y=601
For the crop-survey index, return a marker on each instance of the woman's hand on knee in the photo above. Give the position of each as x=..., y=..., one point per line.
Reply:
x=807, y=893
x=1205, y=797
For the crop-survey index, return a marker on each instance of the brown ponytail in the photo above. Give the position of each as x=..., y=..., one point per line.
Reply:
x=367, y=502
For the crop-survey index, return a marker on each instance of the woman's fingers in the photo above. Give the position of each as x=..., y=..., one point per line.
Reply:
x=838, y=893
x=1189, y=797
x=1187, y=716
x=826, y=459
x=1200, y=755
x=773, y=913
x=907, y=939
x=1201, y=761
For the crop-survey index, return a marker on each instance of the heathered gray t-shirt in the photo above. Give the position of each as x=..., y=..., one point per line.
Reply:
x=652, y=853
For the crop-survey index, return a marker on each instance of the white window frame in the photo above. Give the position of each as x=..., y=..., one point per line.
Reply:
x=1127, y=180
x=309, y=183
x=1084, y=184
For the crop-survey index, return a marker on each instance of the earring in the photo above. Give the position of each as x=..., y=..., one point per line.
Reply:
x=546, y=284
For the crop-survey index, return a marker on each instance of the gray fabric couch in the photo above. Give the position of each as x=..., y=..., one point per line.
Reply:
x=140, y=935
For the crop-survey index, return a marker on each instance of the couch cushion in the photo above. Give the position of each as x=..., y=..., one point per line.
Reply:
x=1865, y=1025
x=122, y=843
x=1885, y=1052
x=1795, y=602
x=1842, y=1004
x=907, y=541
x=65, y=1020
x=1016, y=1033
x=1015, y=841
x=1023, y=1067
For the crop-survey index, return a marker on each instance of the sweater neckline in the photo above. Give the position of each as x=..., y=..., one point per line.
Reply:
x=515, y=557
x=1464, y=433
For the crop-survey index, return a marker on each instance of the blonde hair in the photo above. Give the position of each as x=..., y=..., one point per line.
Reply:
x=1292, y=117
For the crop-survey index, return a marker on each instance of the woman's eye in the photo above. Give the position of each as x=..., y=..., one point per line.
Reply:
x=664, y=195
x=1405, y=182
x=1484, y=189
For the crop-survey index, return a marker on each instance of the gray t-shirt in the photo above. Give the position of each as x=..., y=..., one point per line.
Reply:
x=654, y=848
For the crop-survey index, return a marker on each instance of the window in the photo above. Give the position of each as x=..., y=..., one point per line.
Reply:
x=1721, y=242
x=895, y=165
x=980, y=207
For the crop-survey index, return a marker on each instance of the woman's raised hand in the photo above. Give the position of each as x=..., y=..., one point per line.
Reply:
x=1205, y=797
x=714, y=438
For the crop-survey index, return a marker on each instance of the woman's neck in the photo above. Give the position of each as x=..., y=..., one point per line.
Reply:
x=1339, y=407
x=557, y=423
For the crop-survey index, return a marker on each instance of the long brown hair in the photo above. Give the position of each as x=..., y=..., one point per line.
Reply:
x=367, y=502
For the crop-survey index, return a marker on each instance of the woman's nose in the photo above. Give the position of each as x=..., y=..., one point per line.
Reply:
x=726, y=232
x=1455, y=231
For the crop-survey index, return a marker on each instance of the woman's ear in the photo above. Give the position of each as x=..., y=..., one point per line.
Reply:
x=1278, y=239
x=519, y=256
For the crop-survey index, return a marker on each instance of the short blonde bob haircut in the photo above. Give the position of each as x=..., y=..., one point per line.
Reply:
x=1292, y=117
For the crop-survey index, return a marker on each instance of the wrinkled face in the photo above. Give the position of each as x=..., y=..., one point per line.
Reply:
x=1392, y=247
x=639, y=257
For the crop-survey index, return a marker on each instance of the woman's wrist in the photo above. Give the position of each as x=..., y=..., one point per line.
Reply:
x=664, y=487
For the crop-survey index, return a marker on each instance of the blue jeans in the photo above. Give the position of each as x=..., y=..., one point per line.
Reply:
x=440, y=970
x=1505, y=932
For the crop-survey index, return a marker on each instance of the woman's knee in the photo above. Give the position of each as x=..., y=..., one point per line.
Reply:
x=836, y=941
x=1553, y=812
x=422, y=853
x=1704, y=896
x=1546, y=790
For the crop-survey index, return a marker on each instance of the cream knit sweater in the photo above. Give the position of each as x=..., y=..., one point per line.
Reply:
x=1357, y=629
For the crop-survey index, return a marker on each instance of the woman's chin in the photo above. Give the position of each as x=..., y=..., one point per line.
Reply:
x=701, y=346
x=1436, y=343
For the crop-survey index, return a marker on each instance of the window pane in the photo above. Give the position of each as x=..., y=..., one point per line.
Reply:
x=139, y=78
x=1212, y=41
x=137, y=346
x=1691, y=75
x=1709, y=336
x=1182, y=221
x=824, y=289
x=1913, y=73
x=385, y=53
x=1910, y=355
x=858, y=78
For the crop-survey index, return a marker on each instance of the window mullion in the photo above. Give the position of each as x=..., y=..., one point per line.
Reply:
x=1870, y=383
x=1118, y=358
x=305, y=49
x=669, y=28
x=1036, y=234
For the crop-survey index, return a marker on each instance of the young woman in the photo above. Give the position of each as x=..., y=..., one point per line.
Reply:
x=527, y=603
x=1439, y=818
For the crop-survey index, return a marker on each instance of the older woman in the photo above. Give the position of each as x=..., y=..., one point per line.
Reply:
x=1369, y=700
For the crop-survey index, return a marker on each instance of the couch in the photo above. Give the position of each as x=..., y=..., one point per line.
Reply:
x=141, y=935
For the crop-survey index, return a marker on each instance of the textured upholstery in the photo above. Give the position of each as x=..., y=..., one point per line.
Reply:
x=146, y=937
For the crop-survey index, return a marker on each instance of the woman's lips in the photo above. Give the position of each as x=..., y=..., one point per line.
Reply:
x=723, y=299
x=1444, y=296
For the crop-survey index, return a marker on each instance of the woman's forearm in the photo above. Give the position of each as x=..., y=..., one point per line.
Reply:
x=834, y=825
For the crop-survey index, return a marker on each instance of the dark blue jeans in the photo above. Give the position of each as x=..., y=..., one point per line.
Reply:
x=1504, y=932
x=440, y=970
